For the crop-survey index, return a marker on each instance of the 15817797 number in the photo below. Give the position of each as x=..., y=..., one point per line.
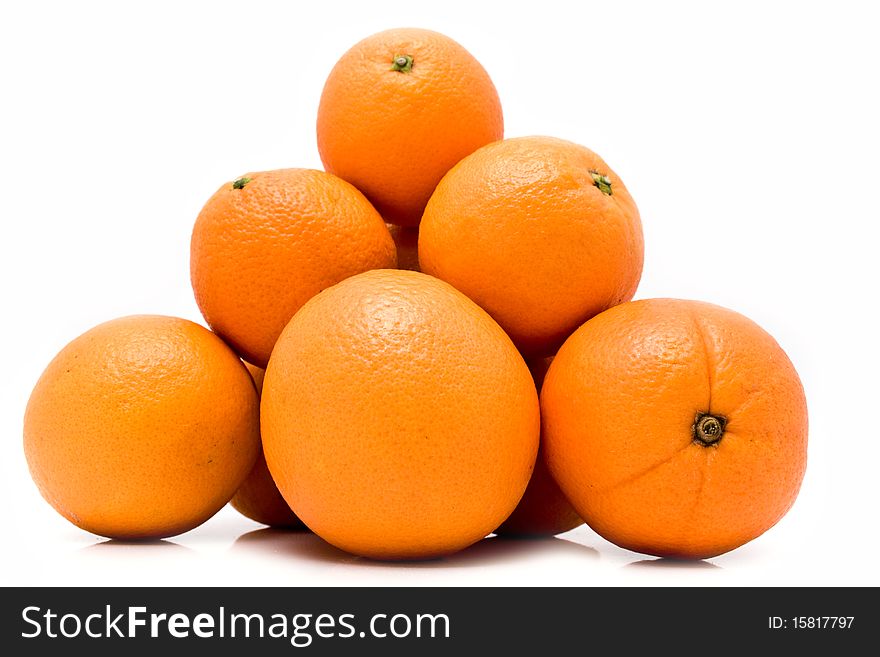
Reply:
x=810, y=622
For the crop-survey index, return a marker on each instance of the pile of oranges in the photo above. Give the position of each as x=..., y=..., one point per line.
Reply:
x=430, y=341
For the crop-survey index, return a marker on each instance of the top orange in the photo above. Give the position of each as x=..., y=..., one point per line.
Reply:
x=398, y=111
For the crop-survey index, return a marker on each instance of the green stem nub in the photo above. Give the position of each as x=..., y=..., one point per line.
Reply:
x=402, y=63
x=240, y=183
x=601, y=181
x=708, y=429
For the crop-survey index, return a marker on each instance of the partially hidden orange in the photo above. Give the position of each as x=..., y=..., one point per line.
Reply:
x=267, y=242
x=143, y=427
x=399, y=420
x=675, y=428
x=258, y=497
x=406, y=240
x=398, y=110
x=543, y=509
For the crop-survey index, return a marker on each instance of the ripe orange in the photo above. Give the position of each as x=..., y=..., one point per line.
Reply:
x=406, y=239
x=399, y=421
x=266, y=243
x=258, y=497
x=543, y=509
x=398, y=110
x=675, y=428
x=539, y=232
x=142, y=427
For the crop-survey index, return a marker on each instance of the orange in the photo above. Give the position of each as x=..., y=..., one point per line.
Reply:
x=399, y=421
x=267, y=242
x=406, y=239
x=539, y=232
x=142, y=427
x=675, y=428
x=258, y=497
x=398, y=110
x=543, y=509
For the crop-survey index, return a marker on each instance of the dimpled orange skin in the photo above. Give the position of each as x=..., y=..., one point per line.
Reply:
x=394, y=133
x=141, y=428
x=543, y=509
x=258, y=497
x=399, y=421
x=406, y=239
x=619, y=412
x=521, y=227
x=259, y=252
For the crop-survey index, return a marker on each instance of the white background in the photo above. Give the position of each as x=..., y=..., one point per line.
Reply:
x=748, y=136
